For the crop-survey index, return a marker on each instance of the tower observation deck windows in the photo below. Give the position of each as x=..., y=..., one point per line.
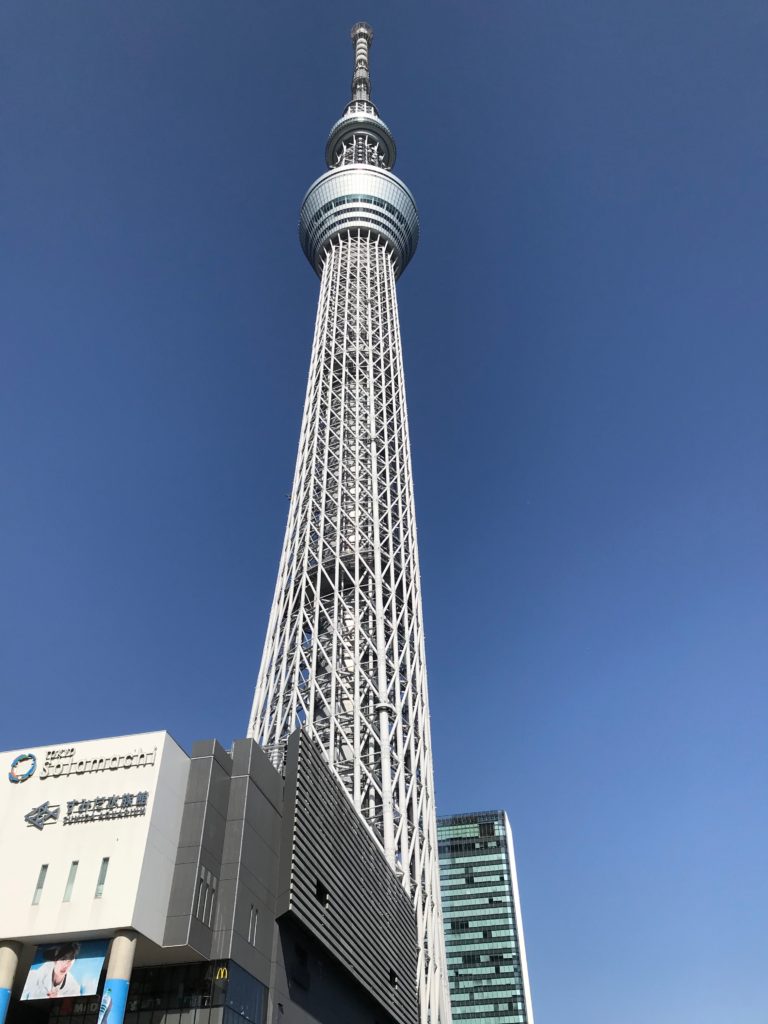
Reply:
x=334, y=204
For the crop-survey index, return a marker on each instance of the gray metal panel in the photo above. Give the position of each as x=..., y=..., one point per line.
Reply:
x=201, y=844
x=192, y=822
x=218, y=793
x=250, y=858
x=367, y=921
x=176, y=931
x=182, y=889
x=211, y=748
x=199, y=779
x=250, y=759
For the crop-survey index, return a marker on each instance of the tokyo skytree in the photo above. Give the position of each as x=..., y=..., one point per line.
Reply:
x=344, y=653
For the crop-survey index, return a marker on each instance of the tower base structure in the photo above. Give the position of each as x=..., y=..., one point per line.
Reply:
x=153, y=887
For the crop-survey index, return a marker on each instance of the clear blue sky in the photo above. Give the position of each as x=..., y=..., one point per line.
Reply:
x=585, y=329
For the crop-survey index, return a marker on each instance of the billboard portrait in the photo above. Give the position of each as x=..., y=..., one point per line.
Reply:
x=62, y=969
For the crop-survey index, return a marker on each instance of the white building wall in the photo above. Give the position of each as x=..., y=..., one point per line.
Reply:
x=518, y=919
x=141, y=847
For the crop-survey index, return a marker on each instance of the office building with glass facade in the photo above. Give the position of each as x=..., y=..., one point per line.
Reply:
x=485, y=948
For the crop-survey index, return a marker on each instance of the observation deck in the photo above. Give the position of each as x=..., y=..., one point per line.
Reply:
x=359, y=191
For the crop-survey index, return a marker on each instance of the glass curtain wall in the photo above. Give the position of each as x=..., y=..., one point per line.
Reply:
x=216, y=992
x=483, y=934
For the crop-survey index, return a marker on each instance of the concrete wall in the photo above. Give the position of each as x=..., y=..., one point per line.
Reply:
x=141, y=847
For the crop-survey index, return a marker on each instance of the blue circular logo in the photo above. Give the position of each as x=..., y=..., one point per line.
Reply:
x=22, y=767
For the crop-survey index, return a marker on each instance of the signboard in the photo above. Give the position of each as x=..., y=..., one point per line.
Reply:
x=65, y=761
x=65, y=969
x=101, y=808
x=22, y=768
x=119, y=799
x=112, y=1008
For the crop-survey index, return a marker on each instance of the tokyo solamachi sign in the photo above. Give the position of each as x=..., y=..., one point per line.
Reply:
x=22, y=768
x=65, y=761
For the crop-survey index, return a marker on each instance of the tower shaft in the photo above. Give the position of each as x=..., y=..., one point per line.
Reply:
x=344, y=653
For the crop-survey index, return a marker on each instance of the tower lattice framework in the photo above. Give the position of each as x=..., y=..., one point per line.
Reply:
x=344, y=653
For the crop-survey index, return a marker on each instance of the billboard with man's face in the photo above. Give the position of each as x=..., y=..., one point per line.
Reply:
x=65, y=969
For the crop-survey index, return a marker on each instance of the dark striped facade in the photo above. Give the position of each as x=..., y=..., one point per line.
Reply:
x=279, y=875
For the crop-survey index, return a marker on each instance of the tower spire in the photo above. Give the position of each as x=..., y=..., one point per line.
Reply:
x=344, y=655
x=362, y=37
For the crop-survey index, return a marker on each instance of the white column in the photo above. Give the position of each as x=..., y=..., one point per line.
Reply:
x=9, y=960
x=118, y=980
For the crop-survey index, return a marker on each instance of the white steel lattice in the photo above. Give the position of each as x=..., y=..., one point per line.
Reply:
x=344, y=654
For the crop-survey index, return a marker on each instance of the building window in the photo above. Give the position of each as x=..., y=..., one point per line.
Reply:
x=253, y=920
x=211, y=903
x=487, y=829
x=200, y=894
x=40, y=883
x=198, y=990
x=322, y=894
x=102, y=878
x=206, y=896
x=393, y=977
x=70, y=881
